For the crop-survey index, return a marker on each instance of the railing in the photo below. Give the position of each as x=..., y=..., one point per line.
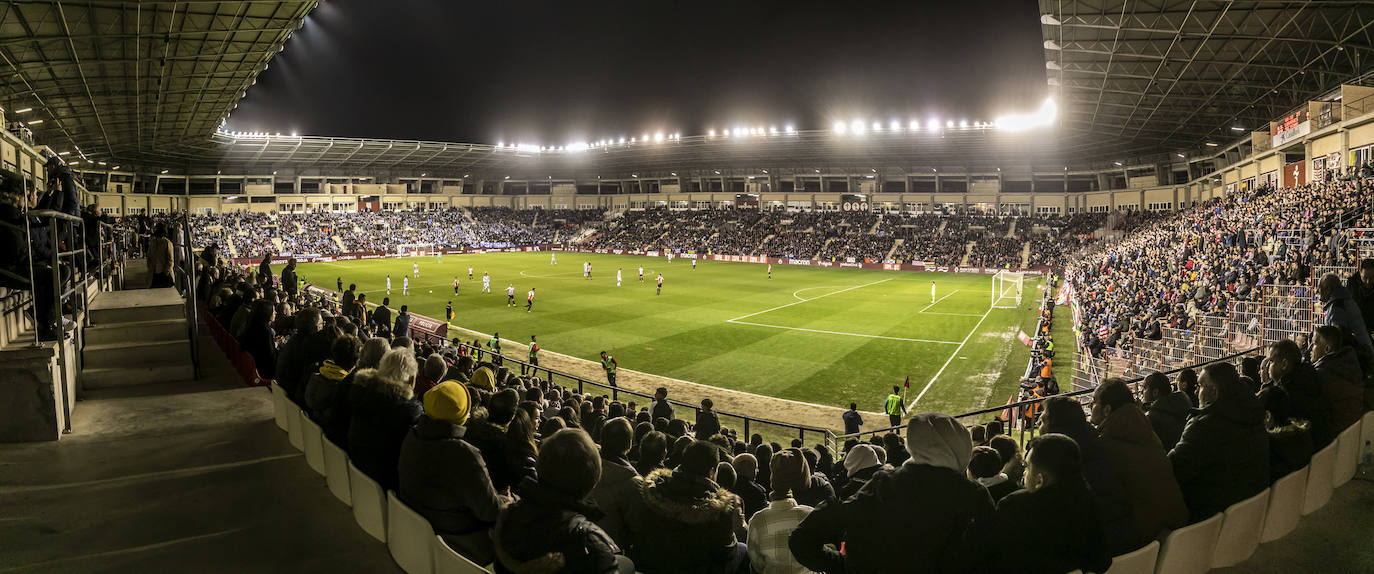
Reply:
x=749, y=424
x=188, y=258
x=1358, y=107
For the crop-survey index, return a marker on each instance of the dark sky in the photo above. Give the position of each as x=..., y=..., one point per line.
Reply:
x=553, y=72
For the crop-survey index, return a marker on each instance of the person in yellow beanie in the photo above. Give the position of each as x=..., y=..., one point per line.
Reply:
x=444, y=478
x=484, y=378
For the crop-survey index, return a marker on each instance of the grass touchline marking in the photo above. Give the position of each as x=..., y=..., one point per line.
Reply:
x=947, y=361
x=933, y=303
x=843, y=333
x=736, y=319
x=950, y=314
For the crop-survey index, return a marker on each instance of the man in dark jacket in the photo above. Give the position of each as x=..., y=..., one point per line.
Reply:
x=551, y=528
x=686, y=523
x=324, y=387
x=403, y=322
x=925, y=516
x=753, y=494
x=1146, y=476
x=852, y=420
x=1361, y=287
x=292, y=361
x=489, y=436
x=860, y=464
x=1166, y=408
x=381, y=318
x=265, y=266
x=1290, y=445
x=1064, y=415
x=1304, y=387
x=1223, y=455
x=443, y=478
x=707, y=421
x=288, y=278
x=1056, y=499
x=617, y=491
x=661, y=408
x=383, y=411
x=1342, y=380
x=1339, y=309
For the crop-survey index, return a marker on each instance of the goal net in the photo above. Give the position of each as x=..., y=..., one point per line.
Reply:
x=415, y=249
x=1006, y=289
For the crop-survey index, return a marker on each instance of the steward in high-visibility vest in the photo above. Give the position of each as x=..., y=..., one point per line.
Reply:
x=893, y=407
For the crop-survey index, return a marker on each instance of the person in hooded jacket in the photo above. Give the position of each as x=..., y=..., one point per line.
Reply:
x=383, y=408
x=1056, y=499
x=323, y=390
x=1146, y=475
x=1340, y=310
x=1166, y=408
x=859, y=466
x=444, y=479
x=1064, y=415
x=1290, y=443
x=552, y=527
x=1223, y=456
x=685, y=522
x=1342, y=381
x=925, y=516
x=618, y=488
x=1303, y=384
x=341, y=415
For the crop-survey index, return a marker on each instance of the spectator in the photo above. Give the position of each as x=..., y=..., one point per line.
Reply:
x=1342, y=380
x=383, y=408
x=258, y=338
x=551, y=528
x=687, y=523
x=661, y=408
x=1340, y=310
x=403, y=322
x=770, y=528
x=707, y=422
x=336, y=428
x=1146, y=476
x=859, y=466
x=619, y=485
x=875, y=524
x=1012, y=462
x=488, y=434
x=1304, y=387
x=323, y=390
x=819, y=491
x=1223, y=456
x=160, y=259
x=444, y=479
x=1056, y=499
x=852, y=420
x=1188, y=384
x=521, y=449
x=1166, y=408
x=754, y=495
x=1361, y=288
x=985, y=468
x=1290, y=443
x=431, y=373
x=653, y=449
x=1064, y=415
x=292, y=359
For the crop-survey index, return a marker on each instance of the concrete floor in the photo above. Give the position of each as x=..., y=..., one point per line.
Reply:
x=196, y=477
x=175, y=477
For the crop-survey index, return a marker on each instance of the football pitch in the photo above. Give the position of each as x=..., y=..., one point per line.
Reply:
x=816, y=335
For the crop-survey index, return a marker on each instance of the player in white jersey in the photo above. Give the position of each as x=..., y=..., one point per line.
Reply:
x=510, y=295
x=416, y=268
x=641, y=273
x=617, y=276
x=770, y=271
x=405, y=285
x=553, y=258
x=932, y=292
x=388, y=284
x=469, y=273
x=694, y=265
x=486, y=282
x=670, y=256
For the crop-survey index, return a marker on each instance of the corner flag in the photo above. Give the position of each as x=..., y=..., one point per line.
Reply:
x=906, y=386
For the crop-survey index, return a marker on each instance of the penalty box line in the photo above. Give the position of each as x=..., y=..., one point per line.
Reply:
x=740, y=320
x=949, y=360
x=737, y=319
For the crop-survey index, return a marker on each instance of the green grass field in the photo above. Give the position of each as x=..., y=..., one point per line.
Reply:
x=825, y=336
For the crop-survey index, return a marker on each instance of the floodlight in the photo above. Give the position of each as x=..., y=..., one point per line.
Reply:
x=895, y=125
x=840, y=127
x=23, y=111
x=877, y=127
x=963, y=123
x=933, y=124
x=658, y=137
x=856, y=126
x=789, y=129
x=711, y=133
x=949, y=123
x=727, y=132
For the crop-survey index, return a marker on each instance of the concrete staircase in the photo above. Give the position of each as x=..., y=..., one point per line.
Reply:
x=339, y=241
x=1011, y=231
x=968, y=252
x=1025, y=256
x=943, y=223
x=137, y=337
x=895, y=246
x=277, y=245
x=874, y=229
x=136, y=275
x=823, y=248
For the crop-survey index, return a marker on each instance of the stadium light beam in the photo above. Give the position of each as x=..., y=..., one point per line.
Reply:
x=857, y=126
x=840, y=128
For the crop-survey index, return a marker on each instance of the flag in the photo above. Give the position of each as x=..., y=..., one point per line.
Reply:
x=1102, y=332
x=907, y=384
x=1023, y=337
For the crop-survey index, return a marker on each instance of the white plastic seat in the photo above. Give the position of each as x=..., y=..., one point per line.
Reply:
x=1188, y=550
x=279, y=405
x=313, y=438
x=293, y=425
x=369, y=502
x=409, y=537
x=336, y=470
x=1285, y=505
x=1367, y=434
x=446, y=561
x=1347, y=456
x=1141, y=561
x=1319, y=480
x=1240, y=530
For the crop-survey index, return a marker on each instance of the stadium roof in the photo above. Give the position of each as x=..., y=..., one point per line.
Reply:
x=137, y=82
x=1161, y=76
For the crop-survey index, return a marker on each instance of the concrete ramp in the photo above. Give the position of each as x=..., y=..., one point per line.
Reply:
x=137, y=337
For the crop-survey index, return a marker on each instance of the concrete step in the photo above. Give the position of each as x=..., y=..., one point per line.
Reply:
x=147, y=331
x=137, y=305
x=136, y=374
x=137, y=352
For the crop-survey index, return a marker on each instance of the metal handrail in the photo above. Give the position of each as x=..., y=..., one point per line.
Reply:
x=476, y=352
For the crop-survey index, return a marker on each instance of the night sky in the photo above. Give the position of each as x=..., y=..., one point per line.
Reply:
x=553, y=72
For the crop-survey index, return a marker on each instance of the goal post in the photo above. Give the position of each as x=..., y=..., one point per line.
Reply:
x=1006, y=289
x=415, y=249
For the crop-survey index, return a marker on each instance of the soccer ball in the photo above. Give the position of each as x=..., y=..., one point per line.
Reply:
x=431, y=290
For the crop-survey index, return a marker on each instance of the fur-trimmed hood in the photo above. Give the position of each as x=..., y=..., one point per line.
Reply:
x=686, y=498
x=372, y=381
